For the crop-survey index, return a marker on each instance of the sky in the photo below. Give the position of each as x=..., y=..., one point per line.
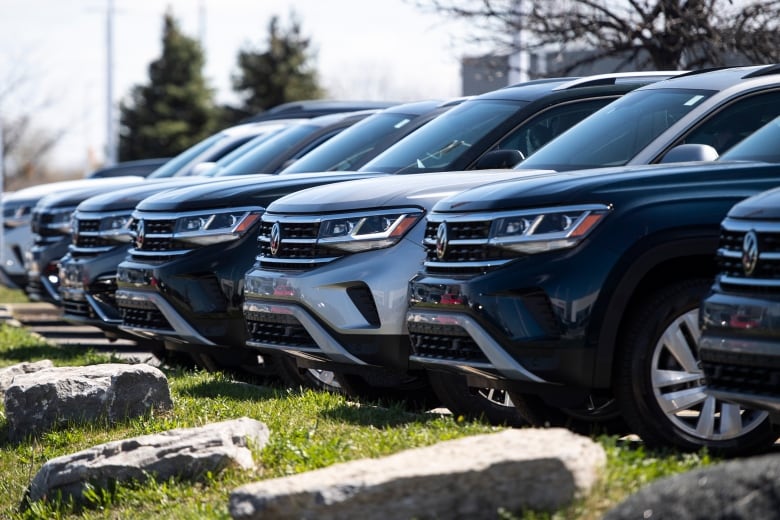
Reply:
x=365, y=49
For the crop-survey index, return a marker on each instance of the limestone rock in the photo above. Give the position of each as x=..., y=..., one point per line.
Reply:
x=7, y=374
x=743, y=489
x=468, y=478
x=56, y=396
x=186, y=453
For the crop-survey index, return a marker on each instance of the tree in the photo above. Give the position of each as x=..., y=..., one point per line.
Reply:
x=176, y=108
x=645, y=34
x=26, y=142
x=279, y=74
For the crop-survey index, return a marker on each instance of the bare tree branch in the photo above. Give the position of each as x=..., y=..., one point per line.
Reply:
x=647, y=34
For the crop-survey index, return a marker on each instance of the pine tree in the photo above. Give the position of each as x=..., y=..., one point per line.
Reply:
x=279, y=74
x=176, y=108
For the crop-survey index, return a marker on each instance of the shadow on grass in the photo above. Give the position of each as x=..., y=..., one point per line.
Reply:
x=379, y=415
x=53, y=352
x=236, y=390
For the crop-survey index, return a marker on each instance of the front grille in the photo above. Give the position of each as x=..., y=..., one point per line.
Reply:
x=765, y=277
x=297, y=248
x=75, y=307
x=444, y=342
x=741, y=372
x=157, y=241
x=467, y=249
x=277, y=329
x=143, y=315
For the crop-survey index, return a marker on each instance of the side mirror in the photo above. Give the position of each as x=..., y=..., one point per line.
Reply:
x=497, y=159
x=690, y=152
x=203, y=168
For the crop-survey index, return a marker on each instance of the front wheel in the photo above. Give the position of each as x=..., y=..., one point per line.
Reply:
x=491, y=404
x=660, y=387
x=596, y=415
x=294, y=376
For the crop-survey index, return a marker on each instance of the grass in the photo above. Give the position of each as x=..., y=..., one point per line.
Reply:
x=310, y=430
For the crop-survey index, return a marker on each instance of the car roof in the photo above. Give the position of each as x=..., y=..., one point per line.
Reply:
x=720, y=78
x=533, y=90
x=316, y=107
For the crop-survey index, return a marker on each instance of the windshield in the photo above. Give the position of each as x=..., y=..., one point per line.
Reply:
x=759, y=146
x=255, y=160
x=170, y=168
x=347, y=150
x=439, y=144
x=222, y=162
x=615, y=134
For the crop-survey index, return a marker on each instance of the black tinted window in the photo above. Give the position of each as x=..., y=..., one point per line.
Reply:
x=615, y=134
x=534, y=133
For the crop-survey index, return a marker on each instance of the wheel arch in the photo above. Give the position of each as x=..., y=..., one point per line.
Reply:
x=683, y=258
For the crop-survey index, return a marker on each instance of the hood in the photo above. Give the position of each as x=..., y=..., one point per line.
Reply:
x=421, y=190
x=71, y=197
x=127, y=198
x=764, y=206
x=598, y=185
x=41, y=190
x=246, y=190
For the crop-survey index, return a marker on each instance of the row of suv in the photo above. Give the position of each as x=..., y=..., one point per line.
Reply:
x=542, y=266
x=195, y=301
x=549, y=291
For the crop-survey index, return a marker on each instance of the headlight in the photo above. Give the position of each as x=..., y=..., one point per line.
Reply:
x=536, y=231
x=364, y=231
x=17, y=216
x=215, y=227
x=116, y=227
x=58, y=220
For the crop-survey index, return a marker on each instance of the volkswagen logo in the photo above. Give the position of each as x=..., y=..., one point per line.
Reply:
x=139, y=234
x=276, y=238
x=749, y=252
x=441, y=241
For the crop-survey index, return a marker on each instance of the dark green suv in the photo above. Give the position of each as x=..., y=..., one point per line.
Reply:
x=579, y=295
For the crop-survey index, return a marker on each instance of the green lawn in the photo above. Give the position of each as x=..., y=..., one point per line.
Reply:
x=309, y=430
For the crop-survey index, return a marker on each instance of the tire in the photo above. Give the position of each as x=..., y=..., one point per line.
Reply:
x=412, y=391
x=295, y=377
x=599, y=415
x=239, y=365
x=489, y=404
x=659, y=383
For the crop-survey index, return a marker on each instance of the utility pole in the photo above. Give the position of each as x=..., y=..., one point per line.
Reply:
x=111, y=133
x=518, y=60
x=202, y=23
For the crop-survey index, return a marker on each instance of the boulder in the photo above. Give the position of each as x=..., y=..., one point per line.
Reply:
x=186, y=453
x=469, y=478
x=57, y=396
x=743, y=489
x=7, y=374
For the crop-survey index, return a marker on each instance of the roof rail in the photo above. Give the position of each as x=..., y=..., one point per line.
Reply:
x=620, y=77
x=540, y=81
x=706, y=69
x=765, y=71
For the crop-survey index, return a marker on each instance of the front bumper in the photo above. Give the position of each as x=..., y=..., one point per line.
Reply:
x=88, y=288
x=42, y=264
x=348, y=312
x=16, y=241
x=740, y=348
x=193, y=298
x=524, y=326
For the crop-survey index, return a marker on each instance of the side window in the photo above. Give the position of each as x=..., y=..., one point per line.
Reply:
x=738, y=120
x=534, y=133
